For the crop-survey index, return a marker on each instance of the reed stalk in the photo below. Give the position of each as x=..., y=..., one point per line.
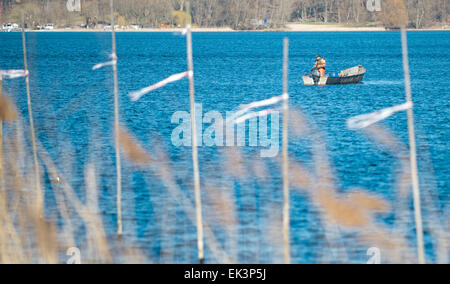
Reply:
x=198, y=200
x=40, y=200
x=116, y=126
x=413, y=152
x=286, y=194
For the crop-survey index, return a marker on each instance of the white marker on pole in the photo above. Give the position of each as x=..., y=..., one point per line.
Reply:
x=366, y=120
x=109, y=63
x=413, y=153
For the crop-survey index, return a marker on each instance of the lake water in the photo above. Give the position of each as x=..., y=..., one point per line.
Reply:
x=74, y=113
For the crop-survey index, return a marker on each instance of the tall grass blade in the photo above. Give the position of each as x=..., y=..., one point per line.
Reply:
x=198, y=200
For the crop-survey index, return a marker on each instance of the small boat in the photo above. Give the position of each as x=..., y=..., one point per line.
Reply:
x=353, y=75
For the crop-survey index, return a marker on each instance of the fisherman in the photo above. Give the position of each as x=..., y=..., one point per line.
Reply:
x=320, y=65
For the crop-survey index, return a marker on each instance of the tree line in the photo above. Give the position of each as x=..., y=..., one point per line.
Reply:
x=238, y=14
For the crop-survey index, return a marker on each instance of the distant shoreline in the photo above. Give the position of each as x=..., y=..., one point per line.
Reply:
x=289, y=28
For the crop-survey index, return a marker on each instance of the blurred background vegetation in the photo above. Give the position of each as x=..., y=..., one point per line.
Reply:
x=237, y=14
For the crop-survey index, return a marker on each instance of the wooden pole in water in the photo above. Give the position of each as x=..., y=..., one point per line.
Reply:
x=413, y=153
x=198, y=199
x=40, y=200
x=116, y=126
x=286, y=194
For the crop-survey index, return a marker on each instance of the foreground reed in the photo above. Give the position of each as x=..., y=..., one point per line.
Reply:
x=116, y=124
x=37, y=176
x=286, y=195
x=27, y=239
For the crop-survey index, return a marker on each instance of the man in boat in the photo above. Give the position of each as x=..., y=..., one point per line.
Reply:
x=320, y=65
